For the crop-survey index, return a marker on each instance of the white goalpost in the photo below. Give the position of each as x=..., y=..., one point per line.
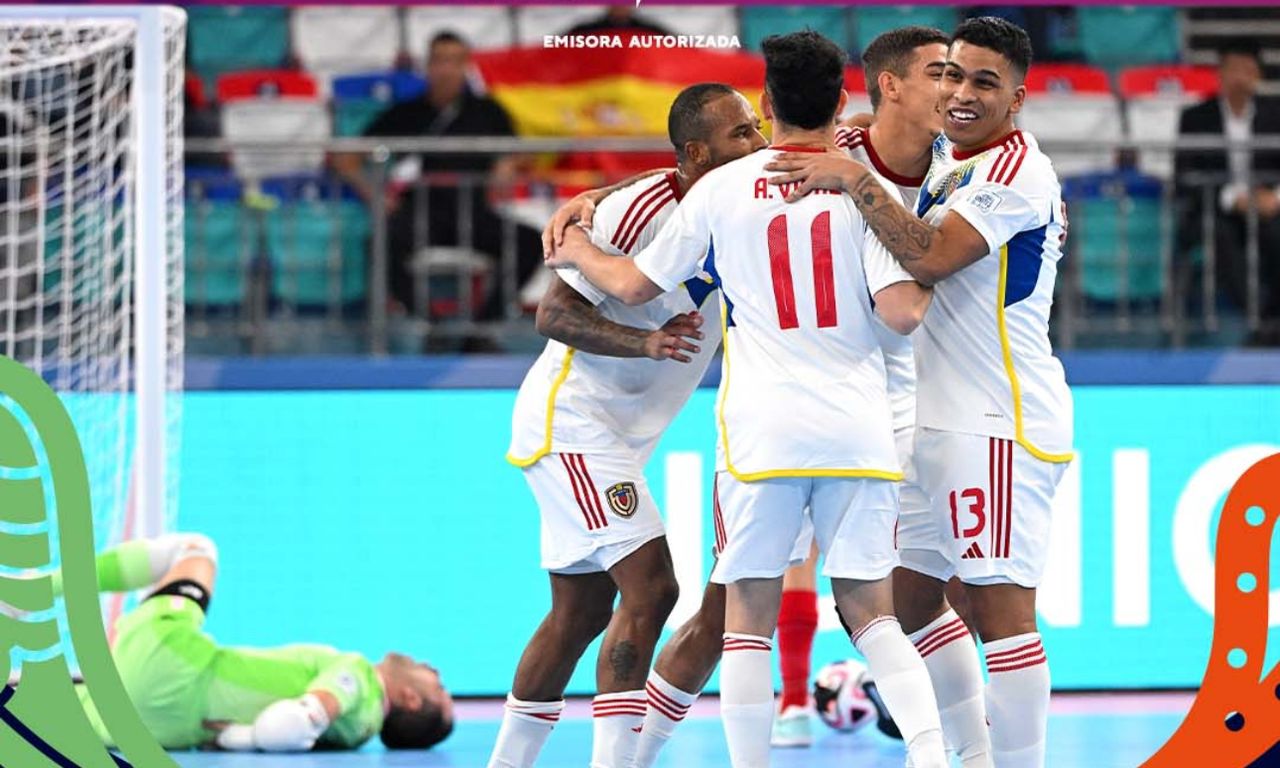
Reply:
x=91, y=228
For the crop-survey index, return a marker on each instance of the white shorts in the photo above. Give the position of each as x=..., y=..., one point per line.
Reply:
x=763, y=526
x=992, y=509
x=799, y=551
x=596, y=510
x=916, y=530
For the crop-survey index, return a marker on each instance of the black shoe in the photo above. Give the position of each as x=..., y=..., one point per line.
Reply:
x=884, y=721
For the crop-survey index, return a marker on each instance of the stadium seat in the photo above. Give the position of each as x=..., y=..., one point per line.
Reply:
x=1111, y=215
x=266, y=83
x=872, y=21
x=219, y=236
x=279, y=120
x=533, y=22
x=358, y=99
x=335, y=40
x=693, y=19
x=1114, y=36
x=760, y=21
x=319, y=252
x=485, y=28
x=225, y=38
x=1072, y=103
x=1154, y=99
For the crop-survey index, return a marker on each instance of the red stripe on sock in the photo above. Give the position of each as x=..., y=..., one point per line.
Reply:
x=662, y=709
x=945, y=628
x=1039, y=658
x=858, y=635
x=664, y=699
x=942, y=641
x=998, y=655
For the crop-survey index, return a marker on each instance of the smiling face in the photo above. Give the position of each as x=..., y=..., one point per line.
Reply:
x=980, y=93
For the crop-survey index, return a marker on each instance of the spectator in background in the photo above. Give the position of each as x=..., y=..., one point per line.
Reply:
x=1240, y=178
x=448, y=108
x=618, y=19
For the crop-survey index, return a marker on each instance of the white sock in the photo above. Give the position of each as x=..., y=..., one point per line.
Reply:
x=617, y=718
x=951, y=657
x=525, y=728
x=903, y=683
x=668, y=705
x=746, y=698
x=1018, y=700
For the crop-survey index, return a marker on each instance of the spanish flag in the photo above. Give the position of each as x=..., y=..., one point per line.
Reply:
x=615, y=91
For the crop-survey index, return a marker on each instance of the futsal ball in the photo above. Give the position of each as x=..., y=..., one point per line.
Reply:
x=841, y=701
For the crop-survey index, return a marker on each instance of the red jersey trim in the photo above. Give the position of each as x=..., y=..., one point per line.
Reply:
x=965, y=155
x=675, y=185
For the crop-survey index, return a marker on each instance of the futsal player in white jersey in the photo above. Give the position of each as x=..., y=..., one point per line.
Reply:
x=994, y=410
x=584, y=425
x=803, y=411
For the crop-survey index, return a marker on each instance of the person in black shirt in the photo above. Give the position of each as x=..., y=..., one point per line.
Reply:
x=1238, y=179
x=448, y=108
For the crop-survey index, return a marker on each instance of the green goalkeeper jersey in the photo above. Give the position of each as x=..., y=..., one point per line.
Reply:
x=178, y=678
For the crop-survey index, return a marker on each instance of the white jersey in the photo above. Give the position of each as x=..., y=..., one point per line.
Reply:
x=802, y=393
x=983, y=351
x=575, y=402
x=899, y=357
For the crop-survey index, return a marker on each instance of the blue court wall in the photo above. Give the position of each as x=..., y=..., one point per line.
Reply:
x=388, y=520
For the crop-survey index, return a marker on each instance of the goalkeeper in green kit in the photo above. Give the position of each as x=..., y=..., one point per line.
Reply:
x=191, y=692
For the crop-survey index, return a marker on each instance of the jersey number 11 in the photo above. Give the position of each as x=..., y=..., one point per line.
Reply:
x=824, y=280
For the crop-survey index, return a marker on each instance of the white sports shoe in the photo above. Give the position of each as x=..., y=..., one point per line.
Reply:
x=793, y=728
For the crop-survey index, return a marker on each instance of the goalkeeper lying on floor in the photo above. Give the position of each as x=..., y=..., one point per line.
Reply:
x=191, y=692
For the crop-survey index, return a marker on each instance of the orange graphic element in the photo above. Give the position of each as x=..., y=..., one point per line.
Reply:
x=1237, y=710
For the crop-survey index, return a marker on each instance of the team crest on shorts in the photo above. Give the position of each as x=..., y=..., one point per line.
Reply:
x=623, y=499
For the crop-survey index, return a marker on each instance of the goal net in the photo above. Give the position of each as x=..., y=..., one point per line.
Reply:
x=70, y=240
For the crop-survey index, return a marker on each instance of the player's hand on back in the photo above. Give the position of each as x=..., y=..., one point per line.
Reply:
x=807, y=171
x=567, y=252
x=580, y=210
x=671, y=341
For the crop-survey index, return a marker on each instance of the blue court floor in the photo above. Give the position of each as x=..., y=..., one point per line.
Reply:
x=1085, y=731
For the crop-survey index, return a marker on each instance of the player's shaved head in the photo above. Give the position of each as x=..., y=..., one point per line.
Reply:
x=894, y=51
x=996, y=34
x=804, y=76
x=687, y=121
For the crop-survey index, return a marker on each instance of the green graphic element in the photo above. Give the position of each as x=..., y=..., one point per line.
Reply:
x=45, y=515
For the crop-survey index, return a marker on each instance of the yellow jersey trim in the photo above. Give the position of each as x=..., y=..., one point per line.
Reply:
x=1016, y=388
x=565, y=365
x=772, y=474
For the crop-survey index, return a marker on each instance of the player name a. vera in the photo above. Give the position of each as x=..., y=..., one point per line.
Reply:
x=640, y=41
x=765, y=191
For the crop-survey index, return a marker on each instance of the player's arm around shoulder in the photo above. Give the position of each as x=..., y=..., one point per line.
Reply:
x=569, y=317
x=620, y=278
x=900, y=300
x=929, y=253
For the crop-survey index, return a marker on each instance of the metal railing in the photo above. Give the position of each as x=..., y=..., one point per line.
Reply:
x=1139, y=293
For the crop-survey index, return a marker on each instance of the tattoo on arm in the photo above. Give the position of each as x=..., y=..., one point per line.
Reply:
x=907, y=238
x=566, y=316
